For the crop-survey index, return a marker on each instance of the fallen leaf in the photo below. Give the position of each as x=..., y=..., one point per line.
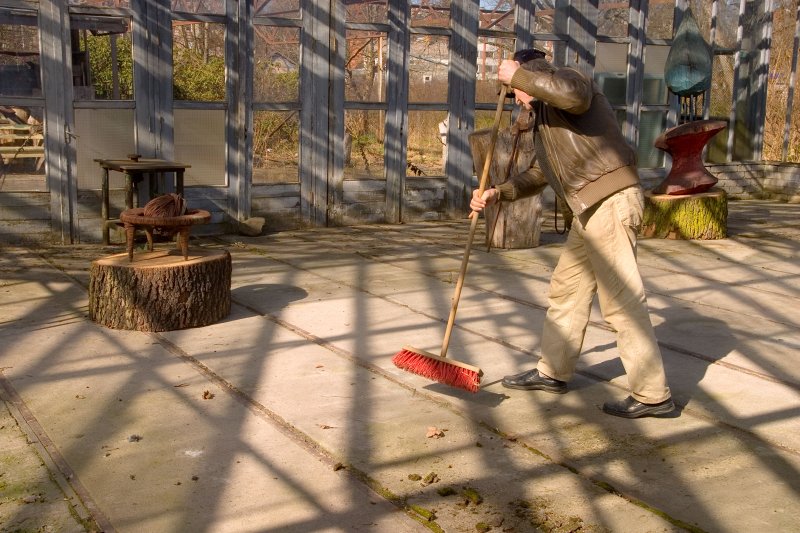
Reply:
x=207, y=395
x=434, y=433
x=433, y=477
x=472, y=496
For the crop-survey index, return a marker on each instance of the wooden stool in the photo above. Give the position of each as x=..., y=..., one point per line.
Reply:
x=180, y=225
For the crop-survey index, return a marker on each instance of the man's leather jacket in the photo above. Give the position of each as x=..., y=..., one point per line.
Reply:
x=585, y=148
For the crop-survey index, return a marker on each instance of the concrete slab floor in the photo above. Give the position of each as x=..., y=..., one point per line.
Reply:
x=288, y=415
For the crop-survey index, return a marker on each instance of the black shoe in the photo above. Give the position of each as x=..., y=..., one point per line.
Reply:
x=632, y=408
x=533, y=380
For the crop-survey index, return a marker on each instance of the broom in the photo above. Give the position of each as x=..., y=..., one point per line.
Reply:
x=438, y=367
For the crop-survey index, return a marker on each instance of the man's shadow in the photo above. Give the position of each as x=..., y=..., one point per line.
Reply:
x=689, y=344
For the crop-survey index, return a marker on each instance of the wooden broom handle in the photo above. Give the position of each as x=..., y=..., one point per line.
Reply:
x=474, y=224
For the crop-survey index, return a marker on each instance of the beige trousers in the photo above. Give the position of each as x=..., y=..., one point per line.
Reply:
x=600, y=258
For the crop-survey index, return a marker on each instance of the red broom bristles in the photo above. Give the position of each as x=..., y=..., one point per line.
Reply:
x=439, y=369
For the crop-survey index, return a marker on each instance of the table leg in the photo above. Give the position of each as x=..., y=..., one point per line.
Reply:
x=130, y=233
x=183, y=241
x=128, y=191
x=104, y=207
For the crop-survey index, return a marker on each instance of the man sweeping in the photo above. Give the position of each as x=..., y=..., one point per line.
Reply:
x=582, y=154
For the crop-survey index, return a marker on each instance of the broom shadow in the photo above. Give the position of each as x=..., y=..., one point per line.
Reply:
x=482, y=397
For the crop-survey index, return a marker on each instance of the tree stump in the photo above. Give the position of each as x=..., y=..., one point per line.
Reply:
x=701, y=216
x=512, y=224
x=160, y=291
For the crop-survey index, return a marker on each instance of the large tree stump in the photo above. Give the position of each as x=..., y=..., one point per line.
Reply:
x=518, y=224
x=160, y=291
x=701, y=216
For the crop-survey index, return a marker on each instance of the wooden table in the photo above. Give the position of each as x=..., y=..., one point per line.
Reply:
x=135, y=169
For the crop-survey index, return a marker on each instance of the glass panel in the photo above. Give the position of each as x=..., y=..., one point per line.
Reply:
x=613, y=18
x=720, y=105
x=289, y=9
x=430, y=13
x=427, y=134
x=780, y=71
x=102, y=134
x=660, y=16
x=610, y=69
x=655, y=88
x=427, y=68
x=497, y=15
x=277, y=64
x=19, y=61
x=793, y=152
x=199, y=57
x=276, y=138
x=701, y=10
x=544, y=20
x=365, y=67
x=491, y=51
x=22, y=149
x=727, y=23
x=214, y=7
x=484, y=119
x=651, y=125
x=109, y=60
x=200, y=142
x=367, y=11
x=364, y=144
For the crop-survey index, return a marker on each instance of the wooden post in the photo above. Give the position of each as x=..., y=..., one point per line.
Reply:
x=160, y=291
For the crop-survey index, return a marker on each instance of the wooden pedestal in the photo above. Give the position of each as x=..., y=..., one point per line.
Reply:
x=701, y=216
x=160, y=291
x=520, y=223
